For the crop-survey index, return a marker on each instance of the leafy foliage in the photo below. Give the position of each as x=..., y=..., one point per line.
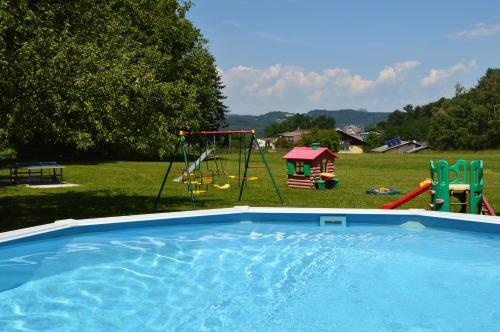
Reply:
x=282, y=143
x=326, y=137
x=469, y=120
x=411, y=123
x=372, y=141
x=120, y=76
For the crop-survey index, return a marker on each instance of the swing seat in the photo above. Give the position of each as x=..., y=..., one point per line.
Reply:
x=198, y=192
x=243, y=178
x=223, y=187
x=185, y=177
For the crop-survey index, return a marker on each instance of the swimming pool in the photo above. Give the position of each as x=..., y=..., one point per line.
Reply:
x=255, y=269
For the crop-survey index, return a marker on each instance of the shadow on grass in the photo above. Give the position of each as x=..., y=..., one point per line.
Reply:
x=31, y=210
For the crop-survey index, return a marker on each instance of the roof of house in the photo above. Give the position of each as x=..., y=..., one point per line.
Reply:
x=420, y=148
x=294, y=133
x=351, y=129
x=357, y=138
x=386, y=147
x=307, y=153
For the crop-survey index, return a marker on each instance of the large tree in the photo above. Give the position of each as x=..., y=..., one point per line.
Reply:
x=470, y=120
x=120, y=76
x=412, y=123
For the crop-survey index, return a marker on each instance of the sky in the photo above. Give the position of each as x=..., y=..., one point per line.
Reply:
x=378, y=55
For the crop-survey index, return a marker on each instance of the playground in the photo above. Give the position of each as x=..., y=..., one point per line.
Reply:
x=115, y=188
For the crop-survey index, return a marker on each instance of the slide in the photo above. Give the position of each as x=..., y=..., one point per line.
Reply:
x=407, y=197
x=196, y=164
x=487, y=209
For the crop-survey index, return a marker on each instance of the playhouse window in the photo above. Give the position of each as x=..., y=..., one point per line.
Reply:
x=299, y=167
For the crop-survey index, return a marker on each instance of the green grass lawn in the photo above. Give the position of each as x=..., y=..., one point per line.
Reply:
x=123, y=187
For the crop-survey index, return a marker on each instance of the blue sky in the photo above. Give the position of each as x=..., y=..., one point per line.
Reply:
x=294, y=55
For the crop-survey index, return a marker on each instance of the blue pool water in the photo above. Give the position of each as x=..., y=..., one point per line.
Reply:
x=254, y=277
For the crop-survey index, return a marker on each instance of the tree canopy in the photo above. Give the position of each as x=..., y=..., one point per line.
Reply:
x=328, y=138
x=121, y=76
x=470, y=120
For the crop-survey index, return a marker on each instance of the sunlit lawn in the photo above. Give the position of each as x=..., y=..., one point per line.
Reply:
x=125, y=188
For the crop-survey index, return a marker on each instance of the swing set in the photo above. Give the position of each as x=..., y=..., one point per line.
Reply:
x=203, y=144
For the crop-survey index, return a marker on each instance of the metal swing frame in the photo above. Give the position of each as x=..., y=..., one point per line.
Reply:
x=246, y=155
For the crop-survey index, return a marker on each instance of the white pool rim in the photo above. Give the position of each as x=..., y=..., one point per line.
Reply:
x=426, y=218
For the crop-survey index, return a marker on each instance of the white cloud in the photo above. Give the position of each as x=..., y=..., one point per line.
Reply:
x=439, y=75
x=387, y=74
x=390, y=74
x=356, y=83
x=278, y=79
x=407, y=65
x=480, y=30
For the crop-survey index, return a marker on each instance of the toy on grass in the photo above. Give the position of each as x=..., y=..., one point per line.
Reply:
x=453, y=189
x=311, y=167
x=383, y=191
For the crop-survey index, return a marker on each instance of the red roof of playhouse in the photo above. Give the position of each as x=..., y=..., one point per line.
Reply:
x=307, y=153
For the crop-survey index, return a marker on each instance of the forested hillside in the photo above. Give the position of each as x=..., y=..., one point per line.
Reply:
x=259, y=122
x=469, y=120
x=118, y=76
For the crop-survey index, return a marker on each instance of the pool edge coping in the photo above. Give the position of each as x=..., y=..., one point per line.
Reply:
x=72, y=223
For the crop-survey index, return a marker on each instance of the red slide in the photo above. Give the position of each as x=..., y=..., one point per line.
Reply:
x=486, y=208
x=407, y=197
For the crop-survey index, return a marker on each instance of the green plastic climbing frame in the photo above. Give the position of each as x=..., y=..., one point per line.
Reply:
x=468, y=181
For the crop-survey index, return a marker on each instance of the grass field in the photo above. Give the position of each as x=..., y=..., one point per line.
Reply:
x=113, y=188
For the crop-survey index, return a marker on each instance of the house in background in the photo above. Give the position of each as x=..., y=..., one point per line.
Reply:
x=351, y=140
x=397, y=145
x=352, y=130
x=293, y=137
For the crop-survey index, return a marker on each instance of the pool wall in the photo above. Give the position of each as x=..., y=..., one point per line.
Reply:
x=467, y=222
x=21, y=240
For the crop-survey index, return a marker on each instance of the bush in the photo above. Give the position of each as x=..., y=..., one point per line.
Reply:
x=282, y=143
x=8, y=154
x=372, y=141
x=326, y=137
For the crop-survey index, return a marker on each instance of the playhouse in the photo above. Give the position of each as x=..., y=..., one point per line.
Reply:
x=311, y=167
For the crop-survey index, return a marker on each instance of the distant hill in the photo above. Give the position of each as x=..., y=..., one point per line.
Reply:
x=343, y=117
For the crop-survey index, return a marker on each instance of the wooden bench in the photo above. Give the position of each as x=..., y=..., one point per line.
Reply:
x=35, y=170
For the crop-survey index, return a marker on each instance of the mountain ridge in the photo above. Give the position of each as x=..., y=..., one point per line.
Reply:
x=343, y=117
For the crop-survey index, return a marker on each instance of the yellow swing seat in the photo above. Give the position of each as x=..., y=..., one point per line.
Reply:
x=198, y=192
x=223, y=187
x=234, y=177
